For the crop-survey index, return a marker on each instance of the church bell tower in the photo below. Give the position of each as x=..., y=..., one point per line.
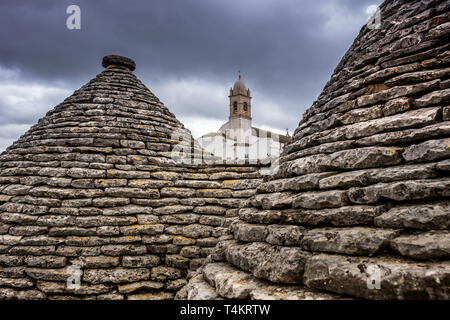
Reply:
x=240, y=107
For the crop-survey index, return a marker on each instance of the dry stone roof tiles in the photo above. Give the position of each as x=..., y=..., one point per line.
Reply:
x=94, y=185
x=360, y=204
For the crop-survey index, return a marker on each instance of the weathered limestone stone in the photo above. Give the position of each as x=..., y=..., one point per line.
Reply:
x=370, y=176
x=172, y=209
x=368, y=157
x=218, y=253
x=428, y=151
x=396, y=106
x=310, y=164
x=52, y=172
x=177, y=261
x=284, y=235
x=45, y=261
x=276, y=264
x=56, y=221
x=132, y=144
x=353, y=241
x=13, y=272
x=171, y=248
x=86, y=241
x=272, y=200
x=163, y=175
x=41, y=240
x=127, y=210
x=214, y=193
x=11, y=261
x=72, y=231
x=197, y=184
x=177, y=192
x=7, y=217
x=426, y=245
x=16, y=283
x=161, y=295
x=36, y=251
x=61, y=287
x=250, y=232
x=446, y=113
x=199, y=289
x=409, y=135
x=210, y=210
x=443, y=165
x=435, y=97
x=4, y=228
x=254, y=215
x=160, y=238
x=110, y=202
x=196, y=263
x=9, y=239
x=147, y=183
x=109, y=183
x=49, y=274
x=196, y=231
x=194, y=252
x=395, y=92
x=16, y=190
x=65, y=193
x=140, y=261
x=132, y=192
x=96, y=262
x=110, y=296
x=162, y=273
x=73, y=251
x=283, y=292
x=12, y=207
x=127, y=174
x=361, y=114
x=142, y=285
x=180, y=218
x=320, y=200
x=119, y=275
x=107, y=231
x=123, y=249
x=77, y=203
x=22, y=294
x=420, y=216
x=399, y=191
x=305, y=182
x=85, y=173
x=343, y=216
x=240, y=184
x=125, y=239
x=399, y=279
x=229, y=282
x=410, y=119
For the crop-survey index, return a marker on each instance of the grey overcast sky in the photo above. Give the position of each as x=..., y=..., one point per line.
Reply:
x=187, y=52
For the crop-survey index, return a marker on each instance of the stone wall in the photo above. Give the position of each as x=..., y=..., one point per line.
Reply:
x=360, y=205
x=132, y=243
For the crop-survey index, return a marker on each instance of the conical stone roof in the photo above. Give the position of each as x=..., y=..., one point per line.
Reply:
x=360, y=204
x=92, y=192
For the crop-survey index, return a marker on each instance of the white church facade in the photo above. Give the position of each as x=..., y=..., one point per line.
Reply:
x=237, y=138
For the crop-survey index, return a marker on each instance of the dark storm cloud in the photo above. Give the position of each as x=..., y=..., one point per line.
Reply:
x=286, y=49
